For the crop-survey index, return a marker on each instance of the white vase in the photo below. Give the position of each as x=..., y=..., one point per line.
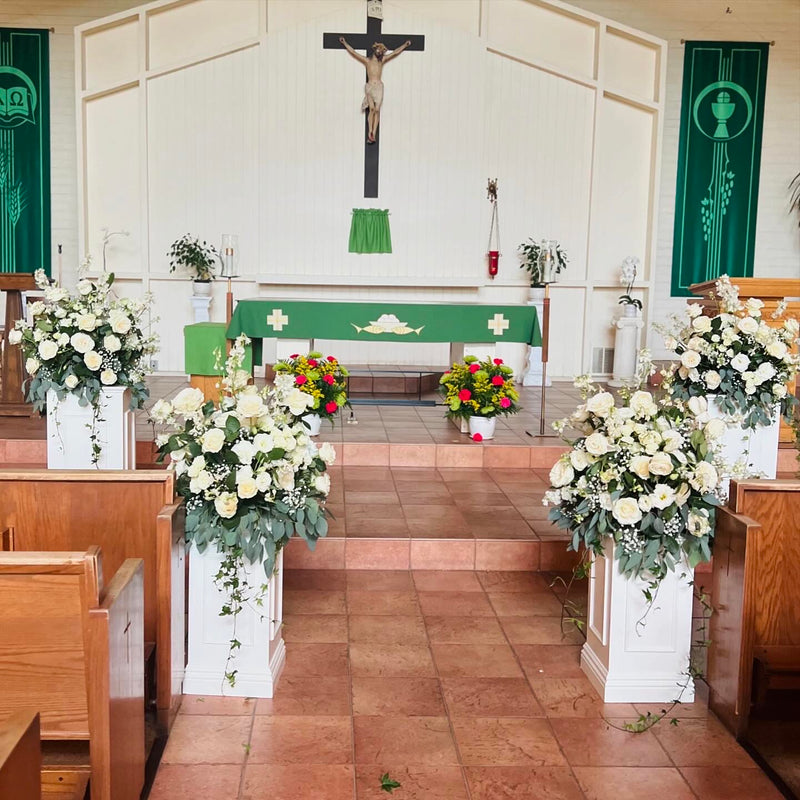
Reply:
x=626, y=346
x=262, y=655
x=533, y=371
x=314, y=421
x=483, y=425
x=69, y=430
x=638, y=663
x=756, y=449
x=201, y=288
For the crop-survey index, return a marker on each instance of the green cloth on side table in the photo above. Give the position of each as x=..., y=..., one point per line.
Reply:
x=369, y=231
x=201, y=340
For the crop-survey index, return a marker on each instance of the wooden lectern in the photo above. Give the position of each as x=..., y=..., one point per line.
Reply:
x=12, y=369
x=771, y=291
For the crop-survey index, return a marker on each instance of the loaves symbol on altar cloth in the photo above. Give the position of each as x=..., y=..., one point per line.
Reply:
x=387, y=323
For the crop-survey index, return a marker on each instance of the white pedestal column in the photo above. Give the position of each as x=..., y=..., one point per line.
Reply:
x=261, y=657
x=626, y=348
x=533, y=372
x=630, y=663
x=756, y=449
x=201, y=308
x=69, y=428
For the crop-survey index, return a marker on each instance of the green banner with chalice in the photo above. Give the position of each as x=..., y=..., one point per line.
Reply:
x=24, y=150
x=719, y=157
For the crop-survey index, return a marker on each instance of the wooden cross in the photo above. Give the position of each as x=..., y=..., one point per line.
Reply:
x=364, y=41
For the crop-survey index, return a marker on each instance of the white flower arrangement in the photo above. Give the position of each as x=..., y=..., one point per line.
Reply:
x=643, y=475
x=251, y=475
x=736, y=355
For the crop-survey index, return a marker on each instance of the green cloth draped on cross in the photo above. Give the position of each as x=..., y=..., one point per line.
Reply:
x=369, y=231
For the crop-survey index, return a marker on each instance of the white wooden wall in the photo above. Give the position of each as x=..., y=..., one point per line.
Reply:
x=215, y=116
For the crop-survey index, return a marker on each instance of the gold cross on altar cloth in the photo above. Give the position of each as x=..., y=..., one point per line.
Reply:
x=277, y=319
x=498, y=324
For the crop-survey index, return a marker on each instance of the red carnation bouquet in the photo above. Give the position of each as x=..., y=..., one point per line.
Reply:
x=479, y=388
x=322, y=377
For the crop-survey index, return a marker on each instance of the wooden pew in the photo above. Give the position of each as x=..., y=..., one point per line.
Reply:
x=73, y=648
x=129, y=514
x=755, y=628
x=21, y=773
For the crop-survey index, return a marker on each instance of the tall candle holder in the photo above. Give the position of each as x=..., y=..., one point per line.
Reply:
x=229, y=256
x=547, y=271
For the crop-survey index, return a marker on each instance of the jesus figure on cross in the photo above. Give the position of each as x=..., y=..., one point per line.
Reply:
x=373, y=90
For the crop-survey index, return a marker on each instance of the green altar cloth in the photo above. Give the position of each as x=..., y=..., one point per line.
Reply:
x=386, y=322
x=201, y=340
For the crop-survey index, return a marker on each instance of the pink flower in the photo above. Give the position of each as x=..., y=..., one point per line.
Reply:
x=497, y=380
x=300, y=380
x=498, y=361
x=331, y=359
x=505, y=402
x=294, y=355
x=312, y=362
x=464, y=395
x=329, y=379
x=473, y=368
x=477, y=438
x=331, y=407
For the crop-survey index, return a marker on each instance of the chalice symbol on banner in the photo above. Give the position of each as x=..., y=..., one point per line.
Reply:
x=722, y=110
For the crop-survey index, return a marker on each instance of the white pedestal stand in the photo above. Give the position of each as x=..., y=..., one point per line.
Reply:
x=630, y=663
x=69, y=428
x=756, y=449
x=201, y=308
x=261, y=657
x=626, y=347
x=533, y=372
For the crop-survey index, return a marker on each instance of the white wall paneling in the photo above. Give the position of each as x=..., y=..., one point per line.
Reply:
x=229, y=116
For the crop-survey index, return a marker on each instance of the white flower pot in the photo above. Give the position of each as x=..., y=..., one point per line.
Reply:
x=69, y=428
x=630, y=663
x=483, y=425
x=314, y=421
x=756, y=449
x=261, y=657
x=201, y=288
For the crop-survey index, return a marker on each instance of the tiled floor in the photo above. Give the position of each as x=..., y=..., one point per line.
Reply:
x=460, y=685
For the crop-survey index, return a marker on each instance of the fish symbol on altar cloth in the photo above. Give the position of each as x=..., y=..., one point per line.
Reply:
x=387, y=323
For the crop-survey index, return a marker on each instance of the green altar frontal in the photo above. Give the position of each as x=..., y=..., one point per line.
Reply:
x=201, y=340
x=386, y=322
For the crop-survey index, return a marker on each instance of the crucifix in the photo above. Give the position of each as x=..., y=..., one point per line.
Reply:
x=376, y=45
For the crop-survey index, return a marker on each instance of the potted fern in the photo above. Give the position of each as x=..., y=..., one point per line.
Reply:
x=198, y=258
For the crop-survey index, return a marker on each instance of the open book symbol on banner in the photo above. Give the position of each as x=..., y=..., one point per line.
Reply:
x=387, y=323
x=18, y=100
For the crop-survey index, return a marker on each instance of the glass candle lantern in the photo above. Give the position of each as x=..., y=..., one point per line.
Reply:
x=229, y=255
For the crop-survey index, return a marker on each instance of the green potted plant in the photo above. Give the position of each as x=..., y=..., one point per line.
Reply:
x=531, y=254
x=196, y=257
x=479, y=391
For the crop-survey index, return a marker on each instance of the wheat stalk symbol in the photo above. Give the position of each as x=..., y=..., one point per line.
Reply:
x=15, y=203
x=3, y=168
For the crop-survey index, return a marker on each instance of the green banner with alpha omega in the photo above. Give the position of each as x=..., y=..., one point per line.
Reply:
x=719, y=156
x=24, y=150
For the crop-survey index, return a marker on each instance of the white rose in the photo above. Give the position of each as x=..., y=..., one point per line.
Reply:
x=650, y=440
x=226, y=505
x=37, y=308
x=779, y=391
x=643, y=404
x=201, y=482
x=71, y=381
x=765, y=371
x=715, y=429
x=740, y=363
x=62, y=339
x=197, y=466
x=626, y=511
x=327, y=453
x=690, y=359
x=108, y=377
x=712, y=379
x=322, y=483
x=561, y=473
x=245, y=451
x=263, y=442
x=84, y=287
x=212, y=440
x=776, y=349
x=697, y=405
x=672, y=441
x=747, y=325
x=14, y=337
x=263, y=481
x=705, y=477
x=641, y=466
x=81, y=342
x=93, y=360
x=111, y=343
x=596, y=444
x=299, y=402
x=661, y=464
x=285, y=478
x=47, y=349
x=161, y=411
x=188, y=401
x=579, y=460
x=246, y=488
x=120, y=323
x=663, y=496
x=694, y=310
x=697, y=523
x=32, y=365
x=87, y=322
x=249, y=405
x=701, y=324
x=753, y=306
x=600, y=403
x=645, y=503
